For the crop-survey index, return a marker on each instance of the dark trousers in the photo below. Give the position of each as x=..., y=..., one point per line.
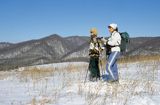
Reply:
x=94, y=67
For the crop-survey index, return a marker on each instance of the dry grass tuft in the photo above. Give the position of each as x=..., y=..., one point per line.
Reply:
x=4, y=74
x=139, y=58
x=35, y=73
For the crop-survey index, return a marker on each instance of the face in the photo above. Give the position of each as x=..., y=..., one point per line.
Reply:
x=111, y=30
x=92, y=35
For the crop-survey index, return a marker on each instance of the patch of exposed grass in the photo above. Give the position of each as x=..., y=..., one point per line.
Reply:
x=139, y=58
x=35, y=73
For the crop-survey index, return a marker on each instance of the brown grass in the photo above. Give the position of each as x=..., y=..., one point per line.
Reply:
x=4, y=74
x=139, y=58
x=35, y=73
x=74, y=68
x=93, y=96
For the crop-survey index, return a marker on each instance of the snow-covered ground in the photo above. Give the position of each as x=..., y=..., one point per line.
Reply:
x=63, y=84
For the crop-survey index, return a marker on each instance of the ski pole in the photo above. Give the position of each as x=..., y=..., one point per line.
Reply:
x=86, y=75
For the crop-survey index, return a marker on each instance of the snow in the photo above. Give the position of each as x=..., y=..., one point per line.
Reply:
x=63, y=84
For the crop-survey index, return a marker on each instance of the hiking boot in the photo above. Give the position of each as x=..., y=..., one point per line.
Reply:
x=104, y=78
x=93, y=79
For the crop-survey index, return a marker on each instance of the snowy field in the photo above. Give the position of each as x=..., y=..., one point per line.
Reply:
x=63, y=84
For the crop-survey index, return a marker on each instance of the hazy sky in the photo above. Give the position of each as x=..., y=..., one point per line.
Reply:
x=22, y=20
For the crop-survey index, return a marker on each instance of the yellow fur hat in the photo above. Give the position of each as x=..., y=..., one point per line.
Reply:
x=94, y=31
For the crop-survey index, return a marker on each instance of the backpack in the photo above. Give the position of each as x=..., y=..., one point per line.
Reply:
x=124, y=41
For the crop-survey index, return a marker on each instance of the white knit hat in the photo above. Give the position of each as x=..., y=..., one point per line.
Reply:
x=113, y=25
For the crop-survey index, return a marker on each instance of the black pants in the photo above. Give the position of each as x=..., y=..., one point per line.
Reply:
x=94, y=67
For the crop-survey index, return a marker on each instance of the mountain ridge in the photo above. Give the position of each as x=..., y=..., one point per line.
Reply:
x=55, y=48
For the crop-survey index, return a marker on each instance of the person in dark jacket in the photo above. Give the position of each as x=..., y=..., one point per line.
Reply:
x=95, y=49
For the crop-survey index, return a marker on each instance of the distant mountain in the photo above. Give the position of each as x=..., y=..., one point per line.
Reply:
x=144, y=46
x=137, y=46
x=45, y=50
x=4, y=45
x=55, y=48
x=77, y=41
x=78, y=54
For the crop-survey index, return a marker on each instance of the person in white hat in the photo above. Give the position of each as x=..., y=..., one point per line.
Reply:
x=113, y=42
